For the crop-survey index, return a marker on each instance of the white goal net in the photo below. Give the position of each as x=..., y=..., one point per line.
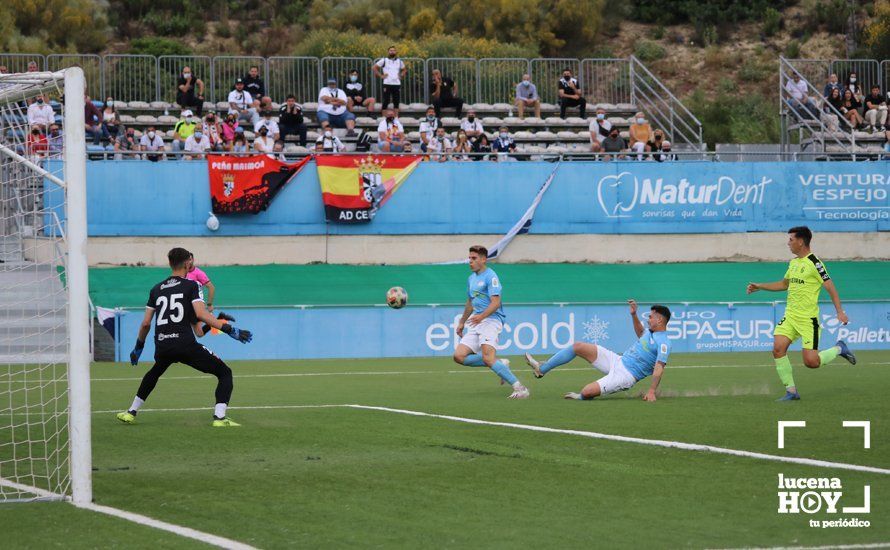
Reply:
x=41, y=287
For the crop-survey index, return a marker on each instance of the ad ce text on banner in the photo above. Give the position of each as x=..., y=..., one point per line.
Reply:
x=240, y=185
x=354, y=188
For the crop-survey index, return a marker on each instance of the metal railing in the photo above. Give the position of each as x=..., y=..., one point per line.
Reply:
x=661, y=106
x=498, y=78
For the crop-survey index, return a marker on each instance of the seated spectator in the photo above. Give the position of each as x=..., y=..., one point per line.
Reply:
x=472, y=127
x=264, y=143
x=503, y=143
x=850, y=109
x=55, y=141
x=390, y=133
x=229, y=128
x=356, y=94
x=213, y=130
x=439, y=146
x=190, y=91
x=266, y=104
x=833, y=102
x=614, y=144
x=113, y=129
x=527, y=96
x=93, y=122
x=640, y=135
x=36, y=146
x=570, y=94
x=665, y=154
x=428, y=128
x=198, y=144
x=241, y=103
x=269, y=124
x=109, y=110
x=462, y=146
x=392, y=70
x=876, y=109
x=239, y=146
x=255, y=86
x=32, y=67
x=152, y=143
x=278, y=150
x=482, y=145
x=126, y=141
x=184, y=129
x=329, y=142
x=443, y=93
x=798, y=99
x=832, y=84
x=654, y=144
x=855, y=86
x=599, y=130
x=40, y=114
x=332, y=110
x=290, y=120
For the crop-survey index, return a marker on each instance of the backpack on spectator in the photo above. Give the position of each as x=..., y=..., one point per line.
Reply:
x=364, y=143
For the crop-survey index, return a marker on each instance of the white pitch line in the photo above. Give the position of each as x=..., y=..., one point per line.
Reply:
x=639, y=440
x=831, y=547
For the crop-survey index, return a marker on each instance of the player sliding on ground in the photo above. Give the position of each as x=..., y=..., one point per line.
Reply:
x=805, y=277
x=177, y=305
x=647, y=356
x=485, y=316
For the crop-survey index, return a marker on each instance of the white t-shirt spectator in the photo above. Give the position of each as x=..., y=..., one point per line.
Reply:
x=392, y=68
x=474, y=126
x=599, y=132
x=192, y=145
x=270, y=125
x=156, y=144
x=437, y=145
x=385, y=128
x=330, y=108
x=264, y=145
x=40, y=114
x=242, y=99
x=429, y=128
x=796, y=89
x=330, y=144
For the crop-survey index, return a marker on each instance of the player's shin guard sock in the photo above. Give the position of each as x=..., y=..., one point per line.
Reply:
x=783, y=368
x=137, y=402
x=828, y=355
x=219, y=411
x=504, y=372
x=474, y=360
x=559, y=358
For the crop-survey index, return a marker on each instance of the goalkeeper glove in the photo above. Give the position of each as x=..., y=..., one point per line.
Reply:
x=223, y=317
x=242, y=335
x=137, y=351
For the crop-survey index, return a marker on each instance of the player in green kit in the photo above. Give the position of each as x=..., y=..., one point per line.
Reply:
x=805, y=277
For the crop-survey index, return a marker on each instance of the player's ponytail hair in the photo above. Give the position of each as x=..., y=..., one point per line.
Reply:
x=178, y=257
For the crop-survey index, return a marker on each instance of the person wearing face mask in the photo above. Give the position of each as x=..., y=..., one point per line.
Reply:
x=151, y=143
x=665, y=154
x=239, y=146
x=290, y=120
x=461, y=146
x=229, y=128
x=599, y=130
x=36, y=144
x=428, y=127
x=329, y=143
x=439, y=146
x=855, y=86
x=213, y=130
x=640, y=135
x=264, y=143
x=472, y=126
x=614, y=144
x=109, y=110
x=184, y=129
x=443, y=93
x=40, y=114
x=113, y=128
x=570, y=94
x=198, y=144
x=392, y=70
x=832, y=84
x=55, y=141
x=655, y=144
x=269, y=124
x=92, y=118
x=190, y=91
x=527, y=96
x=126, y=141
x=332, y=110
x=355, y=92
x=503, y=143
x=390, y=133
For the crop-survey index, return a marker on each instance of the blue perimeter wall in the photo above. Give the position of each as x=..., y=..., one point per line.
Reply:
x=172, y=198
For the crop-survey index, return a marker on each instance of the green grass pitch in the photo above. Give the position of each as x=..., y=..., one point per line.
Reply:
x=338, y=477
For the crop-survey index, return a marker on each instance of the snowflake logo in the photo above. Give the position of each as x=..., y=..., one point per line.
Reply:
x=595, y=330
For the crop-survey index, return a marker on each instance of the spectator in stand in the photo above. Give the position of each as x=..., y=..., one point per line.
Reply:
x=833, y=101
x=109, y=110
x=614, y=144
x=239, y=146
x=184, y=129
x=40, y=114
x=876, y=110
x=472, y=127
x=799, y=100
x=190, y=91
x=229, y=128
x=640, y=135
x=290, y=120
x=665, y=154
x=439, y=145
x=241, y=103
x=212, y=128
x=93, y=121
x=254, y=85
x=36, y=146
x=655, y=143
x=599, y=130
x=527, y=96
x=319, y=147
x=462, y=146
x=503, y=143
x=570, y=94
x=197, y=144
x=356, y=93
x=329, y=142
x=428, y=128
x=269, y=124
x=32, y=67
x=113, y=128
x=264, y=143
x=55, y=141
x=482, y=146
x=443, y=92
x=278, y=150
x=332, y=109
x=832, y=84
x=850, y=109
x=151, y=143
x=855, y=86
x=392, y=70
x=390, y=133
x=126, y=141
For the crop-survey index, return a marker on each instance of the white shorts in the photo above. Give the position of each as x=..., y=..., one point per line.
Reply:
x=484, y=333
x=617, y=377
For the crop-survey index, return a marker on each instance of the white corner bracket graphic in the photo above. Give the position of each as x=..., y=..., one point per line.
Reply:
x=866, y=503
x=788, y=424
x=866, y=430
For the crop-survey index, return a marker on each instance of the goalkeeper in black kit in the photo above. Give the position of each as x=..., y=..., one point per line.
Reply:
x=177, y=306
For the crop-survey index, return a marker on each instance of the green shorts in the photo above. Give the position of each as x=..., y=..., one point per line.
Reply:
x=805, y=328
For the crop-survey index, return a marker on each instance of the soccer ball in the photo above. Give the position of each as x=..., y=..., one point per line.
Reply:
x=396, y=297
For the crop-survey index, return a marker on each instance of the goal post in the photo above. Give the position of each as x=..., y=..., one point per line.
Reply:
x=45, y=317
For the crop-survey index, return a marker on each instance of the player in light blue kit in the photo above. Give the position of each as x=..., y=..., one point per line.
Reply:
x=647, y=356
x=485, y=317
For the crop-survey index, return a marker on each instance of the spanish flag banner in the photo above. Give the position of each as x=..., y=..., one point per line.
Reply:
x=353, y=188
x=240, y=185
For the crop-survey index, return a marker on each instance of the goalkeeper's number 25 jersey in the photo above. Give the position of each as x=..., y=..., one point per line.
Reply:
x=805, y=279
x=174, y=314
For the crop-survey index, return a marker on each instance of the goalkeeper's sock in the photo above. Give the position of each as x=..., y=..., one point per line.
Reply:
x=559, y=358
x=783, y=368
x=504, y=372
x=219, y=411
x=134, y=408
x=828, y=355
x=474, y=360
